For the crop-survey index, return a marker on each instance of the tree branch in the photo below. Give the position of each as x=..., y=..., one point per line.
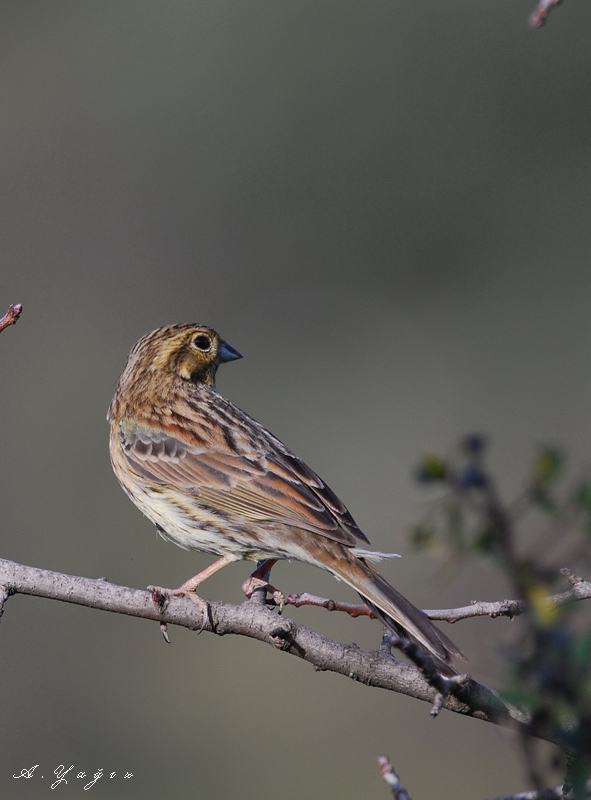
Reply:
x=252, y=619
x=537, y=794
x=399, y=792
x=392, y=779
x=581, y=590
x=11, y=316
x=540, y=16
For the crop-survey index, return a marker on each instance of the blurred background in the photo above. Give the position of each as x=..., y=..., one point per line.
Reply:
x=385, y=207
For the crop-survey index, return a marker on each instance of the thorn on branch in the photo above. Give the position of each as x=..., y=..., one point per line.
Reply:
x=11, y=316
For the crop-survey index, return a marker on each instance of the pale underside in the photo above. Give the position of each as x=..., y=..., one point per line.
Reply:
x=224, y=485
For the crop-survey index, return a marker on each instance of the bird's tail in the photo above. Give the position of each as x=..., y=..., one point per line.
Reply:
x=395, y=611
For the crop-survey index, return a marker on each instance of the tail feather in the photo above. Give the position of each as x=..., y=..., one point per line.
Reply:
x=396, y=612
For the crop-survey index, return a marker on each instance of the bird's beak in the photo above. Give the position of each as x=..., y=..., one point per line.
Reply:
x=228, y=353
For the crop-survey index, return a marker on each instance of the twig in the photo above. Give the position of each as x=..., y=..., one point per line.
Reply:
x=533, y=769
x=479, y=608
x=11, y=316
x=391, y=778
x=373, y=668
x=538, y=794
x=444, y=686
x=307, y=599
x=400, y=793
x=4, y=595
x=581, y=590
x=540, y=15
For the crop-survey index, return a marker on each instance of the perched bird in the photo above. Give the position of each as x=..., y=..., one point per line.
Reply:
x=213, y=479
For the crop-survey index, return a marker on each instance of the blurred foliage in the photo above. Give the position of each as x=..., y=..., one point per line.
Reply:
x=548, y=672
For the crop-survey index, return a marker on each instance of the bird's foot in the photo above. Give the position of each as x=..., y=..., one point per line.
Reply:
x=278, y=597
x=253, y=583
x=161, y=596
x=200, y=602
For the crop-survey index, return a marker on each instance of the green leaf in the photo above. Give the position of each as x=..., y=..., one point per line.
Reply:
x=547, y=465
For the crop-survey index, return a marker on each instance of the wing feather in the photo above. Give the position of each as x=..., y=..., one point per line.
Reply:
x=246, y=471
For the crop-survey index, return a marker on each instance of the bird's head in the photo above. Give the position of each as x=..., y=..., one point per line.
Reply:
x=190, y=352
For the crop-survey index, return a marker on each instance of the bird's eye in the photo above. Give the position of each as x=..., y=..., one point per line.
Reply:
x=202, y=342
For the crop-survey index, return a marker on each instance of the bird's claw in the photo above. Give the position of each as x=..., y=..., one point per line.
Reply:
x=161, y=598
x=279, y=598
x=253, y=583
x=164, y=631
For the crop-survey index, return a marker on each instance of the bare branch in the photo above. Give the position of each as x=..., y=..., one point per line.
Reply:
x=443, y=685
x=391, y=778
x=538, y=794
x=11, y=316
x=373, y=668
x=307, y=599
x=4, y=595
x=581, y=590
x=479, y=608
x=540, y=15
x=400, y=793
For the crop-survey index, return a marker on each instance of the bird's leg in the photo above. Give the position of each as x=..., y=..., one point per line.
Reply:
x=260, y=580
x=188, y=587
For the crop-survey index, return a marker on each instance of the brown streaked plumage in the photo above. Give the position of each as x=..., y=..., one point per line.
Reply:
x=213, y=479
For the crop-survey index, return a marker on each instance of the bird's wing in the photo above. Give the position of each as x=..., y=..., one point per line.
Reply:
x=238, y=469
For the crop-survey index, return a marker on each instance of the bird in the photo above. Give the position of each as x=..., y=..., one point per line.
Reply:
x=213, y=479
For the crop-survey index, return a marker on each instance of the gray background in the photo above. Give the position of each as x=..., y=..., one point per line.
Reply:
x=386, y=207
